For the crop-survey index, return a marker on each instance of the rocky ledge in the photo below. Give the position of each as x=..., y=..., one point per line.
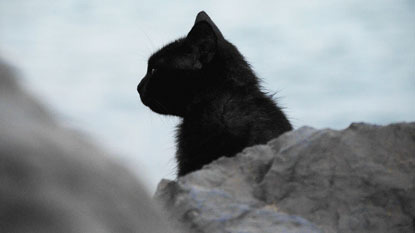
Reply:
x=360, y=179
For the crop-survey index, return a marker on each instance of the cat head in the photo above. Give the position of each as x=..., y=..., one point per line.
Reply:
x=184, y=68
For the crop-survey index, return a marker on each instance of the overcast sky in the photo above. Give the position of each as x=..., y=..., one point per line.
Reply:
x=331, y=63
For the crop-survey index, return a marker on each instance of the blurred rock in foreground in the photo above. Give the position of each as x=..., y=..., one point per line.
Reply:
x=360, y=179
x=53, y=180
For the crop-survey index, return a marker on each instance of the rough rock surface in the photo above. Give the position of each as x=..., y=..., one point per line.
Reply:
x=53, y=180
x=360, y=179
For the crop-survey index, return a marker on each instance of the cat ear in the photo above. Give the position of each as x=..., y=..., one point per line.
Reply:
x=202, y=16
x=203, y=37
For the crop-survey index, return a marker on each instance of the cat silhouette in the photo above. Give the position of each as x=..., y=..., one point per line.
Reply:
x=205, y=80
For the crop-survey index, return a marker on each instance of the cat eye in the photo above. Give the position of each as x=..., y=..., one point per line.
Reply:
x=153, y=71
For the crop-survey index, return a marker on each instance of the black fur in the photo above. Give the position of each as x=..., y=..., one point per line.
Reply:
x=205, y=80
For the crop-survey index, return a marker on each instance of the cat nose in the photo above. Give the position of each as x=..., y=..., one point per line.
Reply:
x=140, y=87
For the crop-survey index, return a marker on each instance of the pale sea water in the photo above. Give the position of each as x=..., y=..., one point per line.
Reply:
x=330, y=62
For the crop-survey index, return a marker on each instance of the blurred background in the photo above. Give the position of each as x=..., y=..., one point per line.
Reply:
x=331, y=62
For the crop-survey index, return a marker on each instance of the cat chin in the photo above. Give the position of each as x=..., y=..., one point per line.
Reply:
x=157, y=110
x=156, y=106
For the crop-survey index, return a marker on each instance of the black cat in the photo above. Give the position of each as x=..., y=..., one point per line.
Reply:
x=205, y=80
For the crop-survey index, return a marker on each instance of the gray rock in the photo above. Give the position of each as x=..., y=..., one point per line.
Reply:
x=54, y=180
x=360, y=179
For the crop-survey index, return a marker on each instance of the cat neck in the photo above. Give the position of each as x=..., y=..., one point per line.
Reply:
x=210, y=99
